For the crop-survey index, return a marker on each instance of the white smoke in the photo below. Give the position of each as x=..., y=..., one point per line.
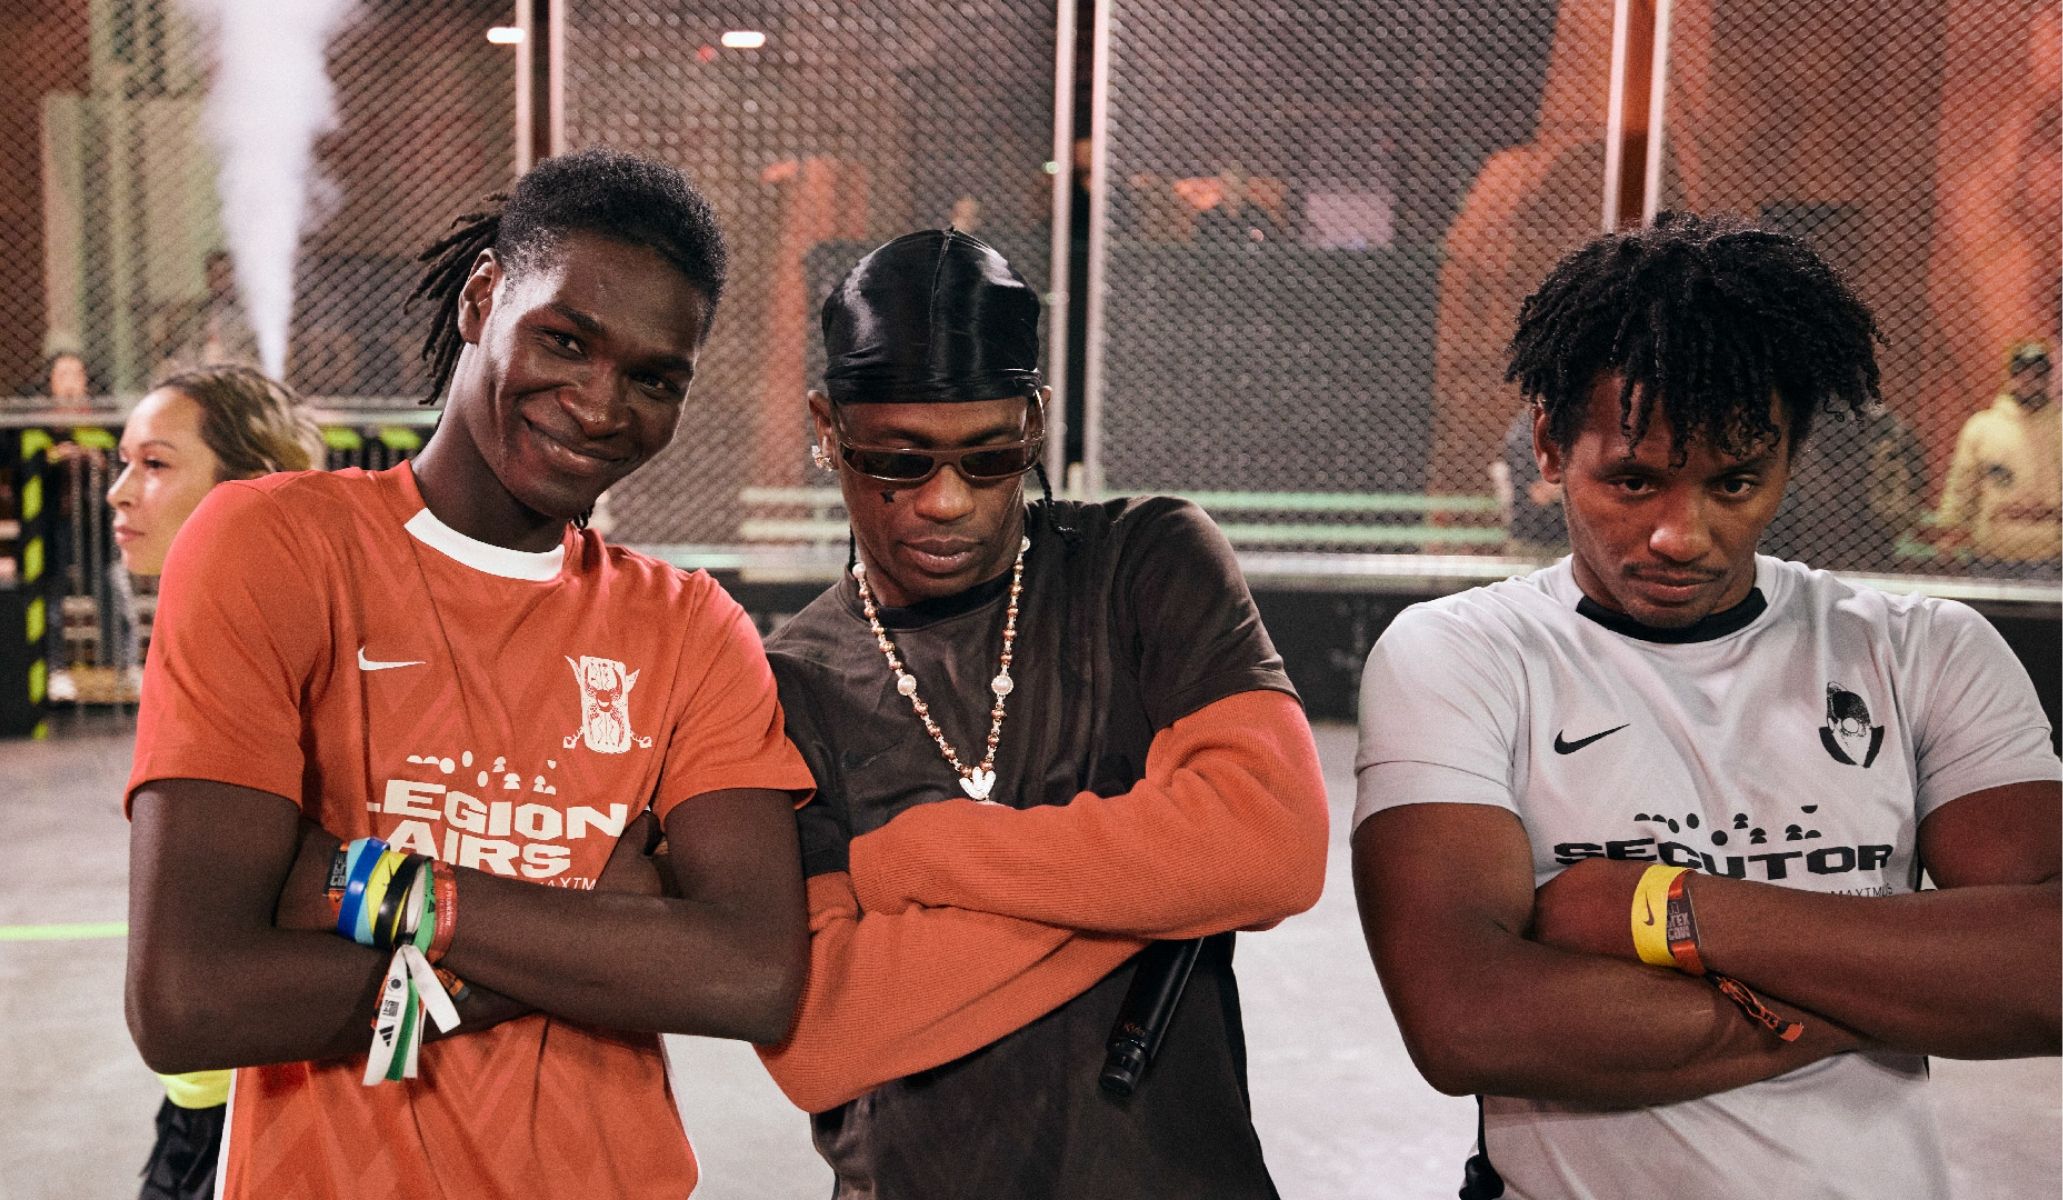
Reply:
x=269, y=100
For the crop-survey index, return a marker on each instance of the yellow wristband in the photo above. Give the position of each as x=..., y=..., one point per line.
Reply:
x=376, y=893
x=1651, y=915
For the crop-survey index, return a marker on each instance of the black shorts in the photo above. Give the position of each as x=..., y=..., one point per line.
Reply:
x=182, y=1164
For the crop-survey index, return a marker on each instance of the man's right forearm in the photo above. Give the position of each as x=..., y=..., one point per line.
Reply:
x=892, y=994
x=1549, y=1025
x=282, y=997
x=1447, y=903
x=231, y=961
x=273, y=997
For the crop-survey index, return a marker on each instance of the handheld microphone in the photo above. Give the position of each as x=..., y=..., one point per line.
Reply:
x=1142, y=1020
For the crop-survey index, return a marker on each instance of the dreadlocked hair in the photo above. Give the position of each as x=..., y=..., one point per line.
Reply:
x=597, y=191
x=1710, y=316
x=1069, y=535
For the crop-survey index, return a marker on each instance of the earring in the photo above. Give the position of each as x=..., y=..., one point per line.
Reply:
x=821, y=459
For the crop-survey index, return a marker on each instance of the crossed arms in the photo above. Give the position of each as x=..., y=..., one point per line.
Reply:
x=1502, y=990
x=959, y=922
x=230, y=963
x=1499, y=991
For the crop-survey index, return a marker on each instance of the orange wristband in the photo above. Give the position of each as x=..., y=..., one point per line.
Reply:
x=1683, y=928
x=1751, y=1004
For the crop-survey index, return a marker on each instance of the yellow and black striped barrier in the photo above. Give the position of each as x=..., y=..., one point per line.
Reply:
x=26, y=666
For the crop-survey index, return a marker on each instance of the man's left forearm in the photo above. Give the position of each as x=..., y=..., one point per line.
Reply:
x=1967, y=972
x=1227, y=831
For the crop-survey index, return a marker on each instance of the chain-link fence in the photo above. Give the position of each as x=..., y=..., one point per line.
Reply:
x=113, y=221
x=121, y=269
x=1319, y=219
x=820, y=131
x=1317, y=224
x=1915, y=143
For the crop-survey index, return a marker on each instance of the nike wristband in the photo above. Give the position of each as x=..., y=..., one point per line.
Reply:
x=1651, y=915
x=1665, y=934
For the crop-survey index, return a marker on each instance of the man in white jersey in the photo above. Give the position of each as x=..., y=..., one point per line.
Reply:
x=1664, y=698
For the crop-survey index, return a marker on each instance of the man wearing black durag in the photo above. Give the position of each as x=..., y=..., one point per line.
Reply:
x=1043, y=737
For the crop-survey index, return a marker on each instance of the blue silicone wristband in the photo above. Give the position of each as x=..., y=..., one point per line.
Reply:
x=364, y=853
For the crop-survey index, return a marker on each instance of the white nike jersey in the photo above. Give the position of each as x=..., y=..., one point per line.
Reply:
x=1801, y=747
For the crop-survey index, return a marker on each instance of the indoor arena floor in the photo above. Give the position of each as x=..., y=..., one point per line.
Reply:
x=1340, y=1109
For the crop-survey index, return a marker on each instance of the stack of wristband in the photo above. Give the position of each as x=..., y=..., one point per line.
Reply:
x=407, y=903
x=1673, y=942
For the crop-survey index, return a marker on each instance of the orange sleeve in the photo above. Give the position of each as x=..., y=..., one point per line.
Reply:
x=727, y=726
x=242, y=632
x=893, y=994
x=1227, y=831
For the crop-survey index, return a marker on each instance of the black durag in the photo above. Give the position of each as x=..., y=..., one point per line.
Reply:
x=934, y=316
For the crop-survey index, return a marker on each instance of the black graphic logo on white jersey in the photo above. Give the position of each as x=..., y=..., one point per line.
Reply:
x=1567, y=747
x=1735, y=846
x=1848, y=735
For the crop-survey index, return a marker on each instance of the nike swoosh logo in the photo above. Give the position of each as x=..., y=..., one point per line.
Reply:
x=1563, y=747
x=1645, y=901
x=373, y=664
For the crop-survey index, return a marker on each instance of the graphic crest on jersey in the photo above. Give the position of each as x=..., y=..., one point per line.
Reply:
x=1848, y=735
x=604, y=706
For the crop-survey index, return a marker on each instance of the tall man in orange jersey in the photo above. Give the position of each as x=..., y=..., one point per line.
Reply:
x=1044, y=736
x=440, y=655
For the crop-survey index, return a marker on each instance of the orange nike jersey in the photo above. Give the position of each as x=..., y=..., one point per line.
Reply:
x=323, y=637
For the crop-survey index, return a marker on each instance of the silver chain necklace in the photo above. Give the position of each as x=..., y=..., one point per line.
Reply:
x=977, y=781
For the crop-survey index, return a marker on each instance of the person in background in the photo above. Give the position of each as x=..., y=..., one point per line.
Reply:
x=194, y=430
x=2001, y=495
x=1532, y=504
x=191, y=432
x=1858, y=489
x=66, y=381
x=211, y=328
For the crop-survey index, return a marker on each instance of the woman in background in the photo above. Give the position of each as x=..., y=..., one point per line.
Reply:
x=194, y=430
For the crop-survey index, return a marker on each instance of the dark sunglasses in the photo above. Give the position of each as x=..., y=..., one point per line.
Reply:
x=978, y=464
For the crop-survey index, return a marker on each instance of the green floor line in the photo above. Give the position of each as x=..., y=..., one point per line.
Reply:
x=71, y=932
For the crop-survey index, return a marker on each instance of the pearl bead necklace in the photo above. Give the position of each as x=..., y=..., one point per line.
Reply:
x=978, y=781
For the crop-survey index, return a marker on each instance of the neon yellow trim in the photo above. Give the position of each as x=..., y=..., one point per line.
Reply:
x=35, y=441
x=400, y=438
x=32, y=560
x=342, y=439
x=93, y=437
x=35, y=623
x=197, y=1089
x=64, y=932
x=32, y=498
